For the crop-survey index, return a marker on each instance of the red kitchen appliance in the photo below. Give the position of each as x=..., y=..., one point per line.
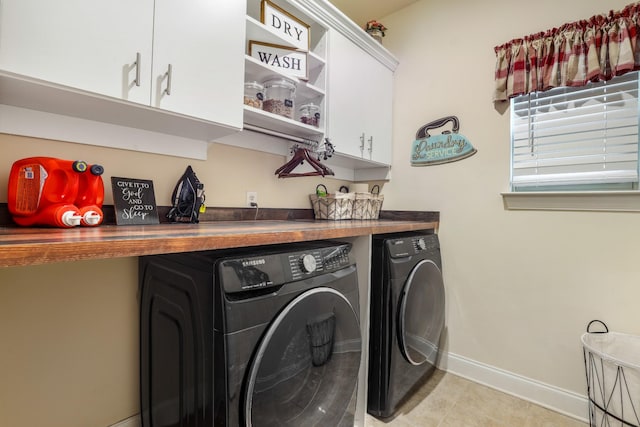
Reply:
x=55, y=192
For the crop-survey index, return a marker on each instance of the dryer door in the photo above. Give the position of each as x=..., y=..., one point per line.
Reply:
x=421, y=313
x=306, y=367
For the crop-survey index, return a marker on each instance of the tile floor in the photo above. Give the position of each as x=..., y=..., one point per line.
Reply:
x=447, y=400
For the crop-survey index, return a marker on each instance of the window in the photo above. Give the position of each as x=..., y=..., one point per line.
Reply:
x=571, y=139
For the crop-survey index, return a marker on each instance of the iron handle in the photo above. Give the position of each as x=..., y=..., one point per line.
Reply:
x=137, y=64
x=423, y=131
x=168, y=77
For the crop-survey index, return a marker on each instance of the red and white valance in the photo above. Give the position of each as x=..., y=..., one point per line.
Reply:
x=600, y=48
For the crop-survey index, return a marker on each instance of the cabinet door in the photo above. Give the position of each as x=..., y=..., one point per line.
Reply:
x=203, y=41
x=360, y=96
x=85, y=44
x=347, y=94
x=379, y=113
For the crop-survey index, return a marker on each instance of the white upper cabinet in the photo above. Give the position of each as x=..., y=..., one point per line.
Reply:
x=360, y=97
x=202, y=42
x=379, y=112
x=177, y=68
x=346, y=120
x=85, y=44
x=95, y=54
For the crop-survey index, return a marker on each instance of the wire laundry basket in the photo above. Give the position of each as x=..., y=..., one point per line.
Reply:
x=612, y=365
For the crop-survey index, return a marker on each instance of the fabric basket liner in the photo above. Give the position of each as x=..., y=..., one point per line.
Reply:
x=622, y=349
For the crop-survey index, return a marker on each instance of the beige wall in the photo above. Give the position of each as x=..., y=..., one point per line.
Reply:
x=521, y=286
x=69, y=352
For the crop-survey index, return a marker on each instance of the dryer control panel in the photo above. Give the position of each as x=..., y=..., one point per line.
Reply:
x=275, y=269
x=412, y=245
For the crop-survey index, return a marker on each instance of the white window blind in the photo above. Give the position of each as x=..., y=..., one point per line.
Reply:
x=576, y=138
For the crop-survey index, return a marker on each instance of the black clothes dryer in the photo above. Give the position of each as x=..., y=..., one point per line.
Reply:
x=258, y=337
x=407, y=317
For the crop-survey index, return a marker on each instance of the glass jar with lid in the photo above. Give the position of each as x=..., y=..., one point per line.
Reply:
x=310, y=114
x=253, y=94
x=279, y=94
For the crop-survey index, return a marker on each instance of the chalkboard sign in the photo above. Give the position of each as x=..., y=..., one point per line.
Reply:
x=134, y=200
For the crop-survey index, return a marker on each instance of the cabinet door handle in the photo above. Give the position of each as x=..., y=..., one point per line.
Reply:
x=137, y=64
x=168, y=77
x=370, y=145
x=362, y=144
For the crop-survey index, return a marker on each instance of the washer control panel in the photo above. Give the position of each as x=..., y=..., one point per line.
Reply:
x=322, y=260
x=304, y=264
x=277, y=268
x=337, y=257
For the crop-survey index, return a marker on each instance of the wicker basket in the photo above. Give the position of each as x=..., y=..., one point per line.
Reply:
x=368, y=205
x=336, y=206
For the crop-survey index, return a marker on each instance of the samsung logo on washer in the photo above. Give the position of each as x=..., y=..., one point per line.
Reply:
x=253, y=262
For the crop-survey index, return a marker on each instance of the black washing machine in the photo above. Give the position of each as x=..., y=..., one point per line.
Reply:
x=407, y=317
x=266, y=336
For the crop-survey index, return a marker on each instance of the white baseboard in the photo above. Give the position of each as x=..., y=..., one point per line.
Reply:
x=133, y=421
x=551, y=397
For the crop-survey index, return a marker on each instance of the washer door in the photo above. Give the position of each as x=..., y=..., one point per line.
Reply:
x=421, y=313
x=305, y=371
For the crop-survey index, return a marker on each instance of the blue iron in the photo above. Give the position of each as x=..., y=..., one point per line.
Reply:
x=447, y=147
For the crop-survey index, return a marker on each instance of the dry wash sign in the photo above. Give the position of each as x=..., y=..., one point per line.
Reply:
x=286, y=25
x=285, y=60
x=447, y=147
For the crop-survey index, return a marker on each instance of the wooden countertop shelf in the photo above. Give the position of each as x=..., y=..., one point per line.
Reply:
x=32, y=246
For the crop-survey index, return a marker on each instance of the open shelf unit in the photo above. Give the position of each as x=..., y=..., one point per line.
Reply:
x=311, y=90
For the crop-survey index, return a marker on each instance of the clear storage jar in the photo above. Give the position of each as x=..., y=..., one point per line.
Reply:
x=253, y=94
x=278, y=96
x=310, y=114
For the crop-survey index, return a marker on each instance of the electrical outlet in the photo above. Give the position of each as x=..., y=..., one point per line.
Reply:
x=252, y=197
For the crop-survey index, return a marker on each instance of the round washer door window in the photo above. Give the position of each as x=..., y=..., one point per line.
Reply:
x=305, y=371
x=421, y=313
